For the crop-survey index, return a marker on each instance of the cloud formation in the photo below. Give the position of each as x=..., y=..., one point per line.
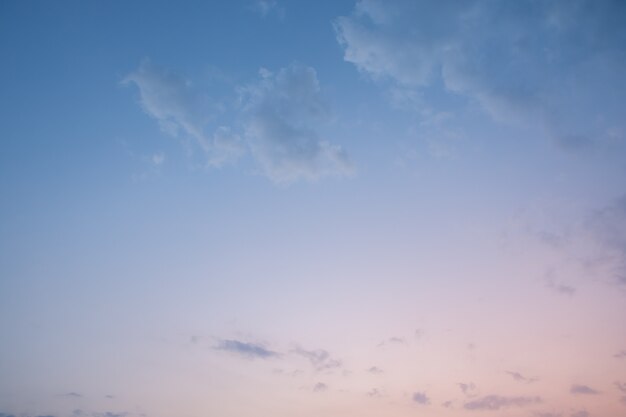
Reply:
x=277, y=116
x=320, y=359
x=282, y=110
x=496, y=402
x=320, y=387
x=249, y=350
x=523, y=62
x=583, y=389
x=467, y=389
x=520, y=378
x=421, y=398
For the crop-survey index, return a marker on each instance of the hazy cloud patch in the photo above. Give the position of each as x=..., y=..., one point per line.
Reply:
x=496, y=402
x=421, y=398
x=522, y=62
x=320, y=359
x=249, y=350
x=583, y=389
x=520, y=378
x=320, y=387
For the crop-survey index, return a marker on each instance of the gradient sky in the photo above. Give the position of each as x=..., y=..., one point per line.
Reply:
x=313, y=208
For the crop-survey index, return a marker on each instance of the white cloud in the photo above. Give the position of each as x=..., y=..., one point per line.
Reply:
x=556, y=64
x=282, y=112
x=276, y=118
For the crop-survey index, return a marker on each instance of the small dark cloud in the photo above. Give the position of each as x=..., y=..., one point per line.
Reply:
x=496, y=402
x=375, y=370
x=320, y=358
x=520, y=378
x=72, y=395
x=110, y=397
x=421, y=398
x=620, y=355
x=467, y=389
x=447, y=404
x=581, y=413
x=583, y=389
x=249, y=350
x=6, y=415
x=621, y=386
x=320, y=387
x=539, y=414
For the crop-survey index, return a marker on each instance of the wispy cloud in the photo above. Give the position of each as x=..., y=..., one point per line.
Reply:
x=522, y=62
x=621, y=386
x=520, y=378
x=496, y=402
x=267, y=8
x=421, y=398
x=275, y=118
x=583, y=389
x=621, y=354
x=374, y=370
x=183, y=111
x=320, y=359
x=283, y=110
x=467, y=389
x=250, y=350
x=320, y=387
x=581, y=413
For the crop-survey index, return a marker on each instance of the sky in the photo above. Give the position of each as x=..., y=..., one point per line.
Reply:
x=294, y=208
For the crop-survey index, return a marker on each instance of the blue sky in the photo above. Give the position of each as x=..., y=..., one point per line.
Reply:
x=313, y=208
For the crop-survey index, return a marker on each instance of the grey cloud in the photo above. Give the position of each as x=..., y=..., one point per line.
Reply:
x=374, y=393
x=320, y=358
x=447, y=404
x=421, y=398
x=581, y=413
x=72, y=395
x=320, y=387
x=621, y=386
x=467, y=389
x=523, y=61
x=375, y=370
x=496, y=402
x=582, y=389
x=283, y=110
x=621, y=354
x=249, y=350
x=520, y=378
x=560, y=288
x=539, y=414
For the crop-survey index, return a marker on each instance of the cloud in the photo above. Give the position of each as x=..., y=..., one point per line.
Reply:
x=496, y=402
x=73, y=395
x=320, y=387
x=620, y=354
x=467, y=389
x=421, y=398
x=375, y=370
x=560, y=288
x=583, y=389
x=374, y=393
x=266, y=8
x=276, y=118
x=523, y=62
x=520, y=378
x=621, y=386
x=183, y=111
x=283, y=110
x=581, y=413
x=539, y=414
x=320, y=359
x=249, y=350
